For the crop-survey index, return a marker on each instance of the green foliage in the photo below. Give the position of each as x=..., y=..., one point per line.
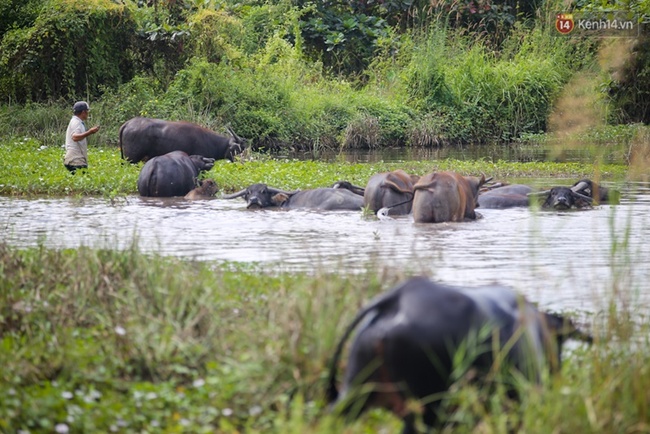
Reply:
x=18, y=13
x=629, y=95
x=72, y=51
x=106, y=340
x=30, y=168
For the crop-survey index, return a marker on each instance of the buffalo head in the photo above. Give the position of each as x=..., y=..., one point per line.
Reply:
x=236, y=145
x=566, y=198
x=261, y=196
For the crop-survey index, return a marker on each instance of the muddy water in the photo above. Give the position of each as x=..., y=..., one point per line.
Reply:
x=565, y=260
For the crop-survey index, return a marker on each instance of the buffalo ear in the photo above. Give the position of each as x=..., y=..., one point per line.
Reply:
x=279, y=199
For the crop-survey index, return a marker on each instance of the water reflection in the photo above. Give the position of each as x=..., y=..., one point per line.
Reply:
x=515, y=152
x=560, y=259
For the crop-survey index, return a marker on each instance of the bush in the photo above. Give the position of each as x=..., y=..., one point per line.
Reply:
x=74, y=49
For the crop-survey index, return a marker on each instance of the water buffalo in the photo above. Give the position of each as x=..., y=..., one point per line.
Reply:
x=588, y=188
x=263, y=196
x=565, y=198
x=392, y=190
x=446, y=197
x=143, y=138
x=419, y=338
x=507, y=196
x=172, y=174
x=206, y=190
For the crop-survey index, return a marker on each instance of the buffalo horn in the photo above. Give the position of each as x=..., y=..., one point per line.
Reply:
x=582, y=196
x=233, y=134
x=579, y=186
x=240, y=193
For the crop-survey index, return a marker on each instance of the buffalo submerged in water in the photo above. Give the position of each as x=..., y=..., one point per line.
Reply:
x=390, y=190
x=143, y=138
x=446, y=197
x=418, y=339
x=326, y=199
x=172, y=174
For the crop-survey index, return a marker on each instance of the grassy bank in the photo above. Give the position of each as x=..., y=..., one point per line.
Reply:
x=29, y=168
x=107, y=341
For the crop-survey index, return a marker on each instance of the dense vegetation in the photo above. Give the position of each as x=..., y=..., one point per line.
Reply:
x=303, y=74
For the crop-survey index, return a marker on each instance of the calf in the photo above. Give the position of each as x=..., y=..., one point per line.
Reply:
x=410, y=340
x=206, y=190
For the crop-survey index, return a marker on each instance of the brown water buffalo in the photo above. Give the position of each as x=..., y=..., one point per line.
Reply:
x=172, y=174
x=143, y=138
x=446, y=197
x=507, y=196
x=392, y=190
x=206, y=190
x=263, y=196
x=421, y=337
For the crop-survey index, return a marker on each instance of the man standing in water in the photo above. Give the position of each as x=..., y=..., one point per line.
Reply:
x=76, y=144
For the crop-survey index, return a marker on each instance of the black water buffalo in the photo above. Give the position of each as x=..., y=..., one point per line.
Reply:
x=446, y=197
x=507, y=196
x=206, y=190
x=587, y=187
x=263, y=196
x=392, y=190
x=565, y=198
x=172, y=174
x=419, y=338
x=143, y=138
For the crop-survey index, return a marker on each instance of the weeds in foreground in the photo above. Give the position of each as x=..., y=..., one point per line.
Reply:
x=98, y=341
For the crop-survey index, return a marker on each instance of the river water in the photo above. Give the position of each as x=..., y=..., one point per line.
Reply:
x=564, y=260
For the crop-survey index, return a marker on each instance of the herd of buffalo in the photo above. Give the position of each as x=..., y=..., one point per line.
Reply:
x=408, y=338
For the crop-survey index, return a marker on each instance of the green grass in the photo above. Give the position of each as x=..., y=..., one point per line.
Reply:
x=106, y=341
x=28, y=168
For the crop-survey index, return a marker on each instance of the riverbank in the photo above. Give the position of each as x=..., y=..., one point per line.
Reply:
x=30, y=168
x=119, y=341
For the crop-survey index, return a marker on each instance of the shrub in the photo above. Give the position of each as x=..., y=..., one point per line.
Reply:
x=74, y=49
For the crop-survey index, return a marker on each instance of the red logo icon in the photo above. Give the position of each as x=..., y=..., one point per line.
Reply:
x=564, y=23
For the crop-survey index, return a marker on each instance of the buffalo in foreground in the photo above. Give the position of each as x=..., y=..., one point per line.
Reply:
x=172, y=174
x=416, y=340
x=328, y=199
x=392, y=190
x=446, y=197
x=206, y=190
x=143, y=138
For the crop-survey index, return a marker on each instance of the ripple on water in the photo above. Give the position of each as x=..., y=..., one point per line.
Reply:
x=560, y=259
